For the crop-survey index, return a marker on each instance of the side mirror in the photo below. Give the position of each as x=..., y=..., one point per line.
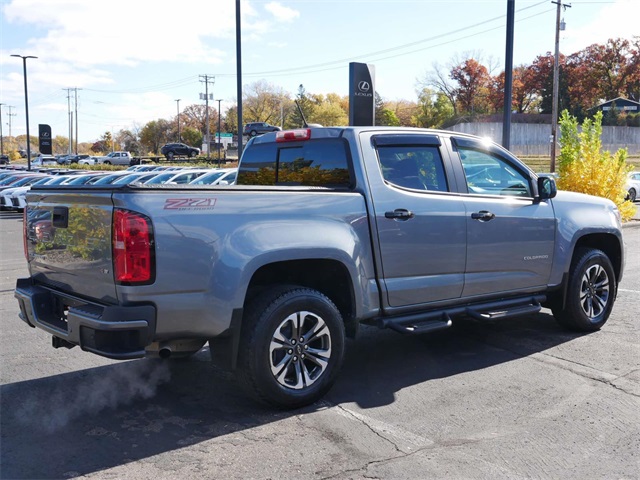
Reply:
x=546, y=188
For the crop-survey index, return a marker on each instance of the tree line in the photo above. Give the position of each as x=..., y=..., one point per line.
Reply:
x=467, y=87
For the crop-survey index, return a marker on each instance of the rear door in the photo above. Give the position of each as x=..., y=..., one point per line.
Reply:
x=510, y=237
x=420, y=222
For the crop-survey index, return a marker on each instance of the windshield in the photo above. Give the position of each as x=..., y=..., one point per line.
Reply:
x=208, y=179
x=163, y=177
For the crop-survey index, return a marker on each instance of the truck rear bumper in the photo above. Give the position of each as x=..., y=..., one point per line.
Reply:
x=112, y=331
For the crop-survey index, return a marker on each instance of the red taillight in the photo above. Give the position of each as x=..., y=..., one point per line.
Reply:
x=293, y=135
x=133, y=255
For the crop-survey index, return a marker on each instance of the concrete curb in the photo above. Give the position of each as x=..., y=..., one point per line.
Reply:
x=633, y=223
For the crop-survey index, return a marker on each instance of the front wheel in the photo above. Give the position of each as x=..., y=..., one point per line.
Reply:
x=107, y=162
x=292, y=346
x=632, y=195
x=590, y=293
x=192, y=154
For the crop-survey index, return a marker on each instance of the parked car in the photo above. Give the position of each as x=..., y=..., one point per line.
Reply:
x=171, y=150
x=69, y=159
x=116, y=158
x=258, y=128
x=633, y=186
x=321, y=235
x=42, y=160
x=219, y=176
x=91, y=160
x=4, y=160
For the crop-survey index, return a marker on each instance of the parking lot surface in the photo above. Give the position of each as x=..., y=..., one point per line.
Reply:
x=515, y=399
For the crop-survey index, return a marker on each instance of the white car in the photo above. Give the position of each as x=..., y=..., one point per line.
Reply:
x=88, y=161
x=42, y=160
x=633, y=186
x=219, y=176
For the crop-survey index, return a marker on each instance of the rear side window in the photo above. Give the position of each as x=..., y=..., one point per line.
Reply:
x=417, y=167
x=318, y=163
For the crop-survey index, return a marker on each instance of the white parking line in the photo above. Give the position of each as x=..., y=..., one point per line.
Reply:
x=628, y=291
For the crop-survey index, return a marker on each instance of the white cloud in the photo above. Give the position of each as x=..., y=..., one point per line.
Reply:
x=615, y=20
x=282, y=13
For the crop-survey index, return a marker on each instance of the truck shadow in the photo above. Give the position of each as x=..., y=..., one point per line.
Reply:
x=99, y=418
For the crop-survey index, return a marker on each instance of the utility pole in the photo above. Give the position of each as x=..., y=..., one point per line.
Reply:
x=219, y=139
x=76, y=110
x=239, y=74
x=1, y=134
x=206, y=97
x=508, y=76
x=178, y=117
x=70, y=121
x=556, y=72
x=1, y=137
x=10, y=115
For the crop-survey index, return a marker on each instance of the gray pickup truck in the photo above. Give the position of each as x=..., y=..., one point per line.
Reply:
x=326, y=229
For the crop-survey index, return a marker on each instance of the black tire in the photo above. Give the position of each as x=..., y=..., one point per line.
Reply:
x=170, y=155
x=192, y=154
x=632, y=195
x=590, y=293
x=253, y=133
x=277, y=364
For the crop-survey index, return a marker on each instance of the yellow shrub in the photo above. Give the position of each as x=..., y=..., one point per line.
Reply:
x=583, y=166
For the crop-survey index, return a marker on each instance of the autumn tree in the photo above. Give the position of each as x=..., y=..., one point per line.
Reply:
x=262, y=102
x=473, y=84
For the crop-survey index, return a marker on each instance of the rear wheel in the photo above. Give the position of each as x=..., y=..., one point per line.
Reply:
x=590, y=293
x=292, y=346
x=170, y=155
x=253, y=133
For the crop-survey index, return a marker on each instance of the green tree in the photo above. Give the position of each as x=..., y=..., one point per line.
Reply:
x=155, y=134
x=434, y=109
x=192, y=136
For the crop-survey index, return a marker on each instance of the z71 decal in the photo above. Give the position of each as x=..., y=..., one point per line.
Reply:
x=189, y=203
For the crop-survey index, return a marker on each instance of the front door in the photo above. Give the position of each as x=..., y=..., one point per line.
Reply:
x=510, y=237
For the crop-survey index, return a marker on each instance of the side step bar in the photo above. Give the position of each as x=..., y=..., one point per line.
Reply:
x=441, y=319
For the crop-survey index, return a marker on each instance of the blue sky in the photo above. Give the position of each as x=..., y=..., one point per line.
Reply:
x=131, y=59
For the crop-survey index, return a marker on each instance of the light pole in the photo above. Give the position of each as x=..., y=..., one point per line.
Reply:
x=26, y=104
x=554, y=106
x=1, y=138
x=219, y=116
x=178, y=118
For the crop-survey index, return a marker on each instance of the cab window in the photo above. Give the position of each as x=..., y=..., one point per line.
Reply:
x=418, y=167
x=489, y=174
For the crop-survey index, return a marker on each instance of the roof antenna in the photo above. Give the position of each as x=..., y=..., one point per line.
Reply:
x=304, y=120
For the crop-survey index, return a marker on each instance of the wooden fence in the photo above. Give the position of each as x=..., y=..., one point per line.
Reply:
x=534, y=139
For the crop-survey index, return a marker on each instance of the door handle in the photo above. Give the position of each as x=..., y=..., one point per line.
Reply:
x=399, y=214
x=483, y=216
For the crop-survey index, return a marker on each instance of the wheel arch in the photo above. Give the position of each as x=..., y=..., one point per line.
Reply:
x=609, y=244
x=328, y=276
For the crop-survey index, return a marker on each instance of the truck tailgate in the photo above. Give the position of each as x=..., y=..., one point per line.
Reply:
x=68, y=240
